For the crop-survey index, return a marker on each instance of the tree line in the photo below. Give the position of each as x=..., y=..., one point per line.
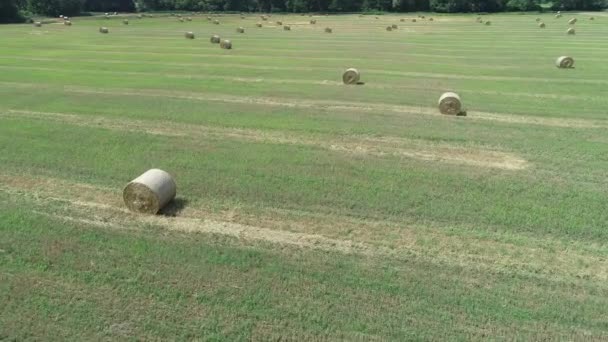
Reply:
x=18, y=10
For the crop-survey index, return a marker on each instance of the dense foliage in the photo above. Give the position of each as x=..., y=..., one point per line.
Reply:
x=10, y=9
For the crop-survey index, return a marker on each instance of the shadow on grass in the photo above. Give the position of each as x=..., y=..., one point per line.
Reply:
x=174, y=207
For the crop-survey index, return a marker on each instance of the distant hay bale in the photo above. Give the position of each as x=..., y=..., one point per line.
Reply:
x=488, y=23
x=150, y=192
x=286, y=28
x=450, y=104
x=126, y=22
x=313, y=21
x=67, y=23
x=104, y=30
x=401, y=20
x=264, y=18
x=559, y=12
x=216, y=22
x=209, y=18
x=240, y=30
x=107, y=16
x=140, y=16
x=351, y=76
x=66, y=18
x=571, y=31
x=215, y=39
x=179, y=15
x=538, y=20
x=431, y=19
x=564, y=62
x=591, y=18
x=394, y=26
x=414, y=20
x=181, y=20
x=189, y=19
x=280, y=23
x=541, y=25
x=557, y=16
x=421, y=17
x=572, y=21
x=328, y=30
x=258, y=24
x=226, y=44
x=242, y=17
x=189, y=35
x=389, y=28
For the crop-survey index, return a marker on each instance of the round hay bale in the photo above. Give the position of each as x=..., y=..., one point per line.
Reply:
x=450, y=104
x=421, y=17
x=67, y=23
x=559, y=12
x=126, y=22
x=564, y=62
x=258, y=24
x=179, y=15
x=226, y=44
x=104, y=30
x=216, y=22
x=557, y=16
x=328, y=30
x=140, y=16
x=61, y=16
x=538, y=20
x=181, y=20
x=242, y=17
x=264, y=18
x=240, y=30
x=351, y=76
x=414, y=20
x=286, y=28
x=389, y=28
x=280, y=23
x=431, y=19
x=209, y=18
x=312, y=22
x=572, y=21
x=38, y=24
x=107, y=16
x=571, y=31
x=150, y=192
x=401, y=20
x=189, y=35
x=66, y=18
x=394, y=27
x=591, y=18
x=189, y=19
x=215, y=39
x=488, y=23
x=541, y=25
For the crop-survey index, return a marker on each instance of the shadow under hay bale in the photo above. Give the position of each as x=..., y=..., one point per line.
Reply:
x=174, y=208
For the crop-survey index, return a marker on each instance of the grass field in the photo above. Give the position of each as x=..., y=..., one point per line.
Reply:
x=306, y=209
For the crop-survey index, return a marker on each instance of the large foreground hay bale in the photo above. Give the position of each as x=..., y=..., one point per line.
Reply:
x=240, y=29
x=287, y=28
x=38, y=24
x=104, y=30
x=189, y=35
x=328, y=30
x=126, y=22
x=571, y=31
x=67, y=23
x=541, y=25
x=150, y=192
x=450, y=104
x=215, y=39
x=226, y=44
x=564, y=62
x=351, y=76
x=572, y=21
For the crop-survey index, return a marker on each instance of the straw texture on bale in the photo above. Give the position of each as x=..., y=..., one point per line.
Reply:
x=449, y=104
x=38, y=24
x=240, y=30
x=572, y=21
x=287, y=28
x=126, y=22
x=564, y=62
x=104, y=30
x=189, y=35
x=541, y=25
x=150, y=192
x=67, y=23
x=226, y=44
x=351, y=76
x=328, y=30
x=571, y=31
x=215, y=39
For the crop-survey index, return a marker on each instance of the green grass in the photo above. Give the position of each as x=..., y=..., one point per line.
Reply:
x=264, y=136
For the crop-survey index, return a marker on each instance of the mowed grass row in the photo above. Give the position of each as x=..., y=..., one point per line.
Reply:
x=61, y=262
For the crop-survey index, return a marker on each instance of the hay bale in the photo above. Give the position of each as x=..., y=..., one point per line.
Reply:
x=488, y=23
x=226, y=44
x=286, y=28
x=264, y=18
x=557, y=16
x=179, y=15
x=389, y=28
x=591, y=18
x=280, y=23
x=351, y=76
x=189, y=19
x=66, y=18
x=394, y=27
x=538, y=20
x=104, y=30
x=421, y=17
x=328, y=30
x=572, y=21
x=571, y=31
x=140, y=16
x=401, y=20
x=209, y=18
x=564, y=62
x=258, y=24
x=414, y=20
x=215, y=39
x=67, y=23
x=240, y=30
x=150, y=192
x=181, y=20
x=431, y=19
x=312, y=22
x=242, y=17
x=126, y=22
x=189, y=35
x=450, y=104
x=541, y=25
x=216, y=22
